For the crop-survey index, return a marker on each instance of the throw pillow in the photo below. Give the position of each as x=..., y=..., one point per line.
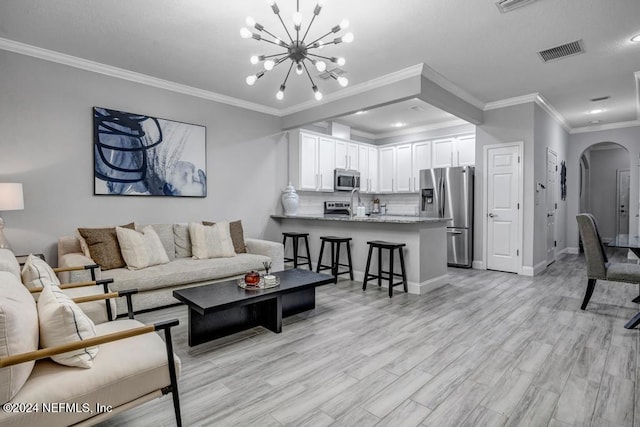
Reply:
x=237, y=235
x=18, y=333
x=165, y=233
x=103, y=246
x=36, y=273
x=8, y=262
x=83, y=245
x=182, y=240
x=211, y=241
x=62, y=322
x=141, y=249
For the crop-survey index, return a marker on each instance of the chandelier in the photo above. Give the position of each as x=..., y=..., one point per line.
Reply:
x=298, y=49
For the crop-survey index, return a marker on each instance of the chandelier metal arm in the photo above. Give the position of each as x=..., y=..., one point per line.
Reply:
x=320, y=56
x=308, y=28
x=288, y=72
x=269, y=41
x=285, y=27
x=308, y=74
x=310, y=44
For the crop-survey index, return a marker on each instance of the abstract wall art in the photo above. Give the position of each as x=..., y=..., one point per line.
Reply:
x=138, y=155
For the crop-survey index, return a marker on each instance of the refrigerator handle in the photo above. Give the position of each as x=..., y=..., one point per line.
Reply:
x=443, y=195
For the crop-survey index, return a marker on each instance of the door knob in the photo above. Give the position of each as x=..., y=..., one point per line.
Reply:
x=491, y=215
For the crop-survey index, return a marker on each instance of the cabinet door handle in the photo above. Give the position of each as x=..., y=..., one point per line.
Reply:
x=321, y=182
x=414, y=184
x=393, y=184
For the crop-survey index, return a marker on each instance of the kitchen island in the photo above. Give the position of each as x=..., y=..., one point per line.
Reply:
x=425, y=253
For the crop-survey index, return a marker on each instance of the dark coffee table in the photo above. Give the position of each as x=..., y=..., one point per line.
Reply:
x=224, y=308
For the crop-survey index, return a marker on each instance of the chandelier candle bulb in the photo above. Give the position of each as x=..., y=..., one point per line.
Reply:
x=245, y=33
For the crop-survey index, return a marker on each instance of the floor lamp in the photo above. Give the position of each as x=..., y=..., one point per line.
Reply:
x=11, y=199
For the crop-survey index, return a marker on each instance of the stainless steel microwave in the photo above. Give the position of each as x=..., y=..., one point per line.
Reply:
x=346, y=179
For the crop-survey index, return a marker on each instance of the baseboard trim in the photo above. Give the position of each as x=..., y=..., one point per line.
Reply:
x=428, y=285
x=478, y=265
x=572, y=251
x=535, y=270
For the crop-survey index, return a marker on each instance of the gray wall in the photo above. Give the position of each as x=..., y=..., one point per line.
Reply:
x=578, y=143
x=46, y=143
x=603, y=187
x=548, y=134
x=505, y=125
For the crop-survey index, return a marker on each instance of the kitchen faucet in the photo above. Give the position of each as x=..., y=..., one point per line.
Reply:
x=351, y=215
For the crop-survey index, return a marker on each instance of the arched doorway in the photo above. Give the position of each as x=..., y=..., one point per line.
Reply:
x=604, y=187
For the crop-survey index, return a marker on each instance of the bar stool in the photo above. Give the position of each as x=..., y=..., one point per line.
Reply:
x=391, y=247
x=295, y=237
x=335, y=243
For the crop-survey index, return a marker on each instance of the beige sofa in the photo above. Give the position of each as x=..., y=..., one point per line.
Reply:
x=34, y=390
x=156, y=284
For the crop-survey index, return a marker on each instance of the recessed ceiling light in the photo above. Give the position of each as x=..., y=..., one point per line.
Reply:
x=596, y=111
x=594, y=122
x=398, y=124
x=636, y=38
x=360, y=112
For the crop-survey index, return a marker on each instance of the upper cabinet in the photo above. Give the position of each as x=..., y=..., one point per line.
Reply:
x=347, y=155
x=312, y=161
x=458, y=151
x=385, y=169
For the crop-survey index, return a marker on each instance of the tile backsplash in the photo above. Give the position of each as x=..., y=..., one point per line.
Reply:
x=312, y=203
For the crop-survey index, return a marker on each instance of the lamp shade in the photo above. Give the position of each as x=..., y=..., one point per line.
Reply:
x=11, y=197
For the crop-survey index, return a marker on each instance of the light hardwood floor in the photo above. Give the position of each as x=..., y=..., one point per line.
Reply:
x=489, y=349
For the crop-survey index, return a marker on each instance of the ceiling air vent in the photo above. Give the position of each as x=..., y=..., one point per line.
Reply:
x=327, y=74
x=508, y=5
x=563, y=51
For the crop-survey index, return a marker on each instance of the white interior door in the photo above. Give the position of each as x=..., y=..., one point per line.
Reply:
x=622, y=219
x=503, y=227
x=551, y=204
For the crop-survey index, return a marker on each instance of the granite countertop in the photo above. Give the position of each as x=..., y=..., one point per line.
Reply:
x=396, y=219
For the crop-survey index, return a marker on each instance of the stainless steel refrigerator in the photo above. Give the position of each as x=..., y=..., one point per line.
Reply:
x=448, y=193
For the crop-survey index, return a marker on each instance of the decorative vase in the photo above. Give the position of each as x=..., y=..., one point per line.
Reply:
x=290, y=200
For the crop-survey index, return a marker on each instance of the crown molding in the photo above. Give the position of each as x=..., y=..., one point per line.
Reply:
x=608, y=126
x=449, y=86
x=132, y=76
x=542, y=102
x=397, y=76
x=509, y=102
x=363, y=134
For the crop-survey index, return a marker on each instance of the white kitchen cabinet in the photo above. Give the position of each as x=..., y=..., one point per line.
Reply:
x=386, y=169
x=403, y=178
x=373, y=169
x=326, y=163
x=368, y=167
x=421, y=160
x=443, y=153
x=466, y=150
x=346, y=155
x=312, y=162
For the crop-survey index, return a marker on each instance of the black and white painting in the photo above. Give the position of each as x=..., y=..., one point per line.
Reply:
x=146, y=156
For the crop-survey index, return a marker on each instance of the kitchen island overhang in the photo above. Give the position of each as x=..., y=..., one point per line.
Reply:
x=425, y=253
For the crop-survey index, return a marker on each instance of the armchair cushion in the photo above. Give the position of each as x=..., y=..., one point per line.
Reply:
x=141, y=249
x=18, y=333
x=36, y=273
x=103, y=246
x=61, y=322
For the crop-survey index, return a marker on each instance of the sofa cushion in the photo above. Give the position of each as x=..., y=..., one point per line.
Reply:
x=103, y=246
x=62, y=322
x=18, y=332
x=141, y=249
x=8, y=262
x=211, y=241
x=165, y=233
x=182, y=271
x=114, y=379
x=182, y=241
x=36, y=273
x=237, y=235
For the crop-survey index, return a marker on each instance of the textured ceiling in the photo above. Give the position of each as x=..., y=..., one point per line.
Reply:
x=490, y=55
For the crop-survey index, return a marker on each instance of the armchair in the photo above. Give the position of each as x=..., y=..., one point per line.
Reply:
x=133, y=366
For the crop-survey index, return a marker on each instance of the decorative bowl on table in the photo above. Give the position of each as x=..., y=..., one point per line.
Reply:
x=264, y=282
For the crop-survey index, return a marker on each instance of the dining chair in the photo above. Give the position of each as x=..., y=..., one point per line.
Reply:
x=598, y=265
